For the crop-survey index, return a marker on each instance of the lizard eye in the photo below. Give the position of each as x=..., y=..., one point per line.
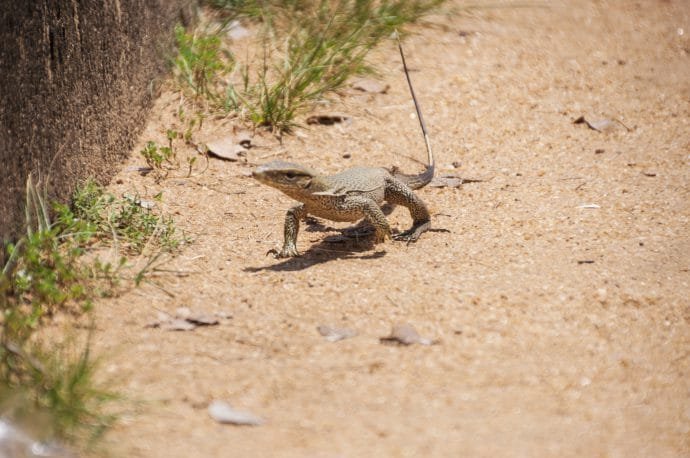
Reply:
x=290, y=176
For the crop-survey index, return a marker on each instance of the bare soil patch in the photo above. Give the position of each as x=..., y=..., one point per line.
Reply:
x=558, y=295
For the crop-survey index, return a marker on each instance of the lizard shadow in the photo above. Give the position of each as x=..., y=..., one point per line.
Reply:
x=355, y=240
x=355, y=243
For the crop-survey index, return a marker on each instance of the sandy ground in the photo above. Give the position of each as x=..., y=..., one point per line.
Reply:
x=557, y=287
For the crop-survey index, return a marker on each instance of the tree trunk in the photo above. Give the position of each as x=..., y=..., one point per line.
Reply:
x=77, y=78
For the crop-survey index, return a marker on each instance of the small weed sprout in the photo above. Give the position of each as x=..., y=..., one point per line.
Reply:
x=159, y=158
x=163, y=159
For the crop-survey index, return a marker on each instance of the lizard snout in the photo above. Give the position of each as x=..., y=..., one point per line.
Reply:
x=259, y=173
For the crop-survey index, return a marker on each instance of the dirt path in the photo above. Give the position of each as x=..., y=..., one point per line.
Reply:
x=564, y=331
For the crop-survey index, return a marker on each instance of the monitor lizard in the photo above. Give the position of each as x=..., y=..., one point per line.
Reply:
x=351, y=195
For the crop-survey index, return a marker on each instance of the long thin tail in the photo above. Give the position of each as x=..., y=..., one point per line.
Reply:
x=421, y=180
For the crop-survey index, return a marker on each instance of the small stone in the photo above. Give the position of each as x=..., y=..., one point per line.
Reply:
x=147, y=204
x=602, y=295
x=222, y=412
x=335, y=334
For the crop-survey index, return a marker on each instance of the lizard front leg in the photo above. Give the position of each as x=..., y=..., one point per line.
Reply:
x=290, y=230
x=371, y=212
x=400, y=194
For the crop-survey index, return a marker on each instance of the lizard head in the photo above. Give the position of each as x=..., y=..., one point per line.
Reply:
x=284, y=176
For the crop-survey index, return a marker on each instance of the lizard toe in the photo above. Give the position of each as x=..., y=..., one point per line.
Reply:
x=284, y=253
x=413, y=234
x=381, y=235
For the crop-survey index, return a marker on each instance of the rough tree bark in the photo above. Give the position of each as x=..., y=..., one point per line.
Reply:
x=77, y=78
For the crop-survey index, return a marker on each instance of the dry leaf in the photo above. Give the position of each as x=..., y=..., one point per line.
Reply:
x=230, y=148
x=601, y=125
x=335, y=334
x=161, y=317
x=244, y=138
x=202, y=320
x=142, y=170
x=370, y=85
x=405, y=334
x=327, y=119
x=178, y=325
x=184, y=320
x=222, y=412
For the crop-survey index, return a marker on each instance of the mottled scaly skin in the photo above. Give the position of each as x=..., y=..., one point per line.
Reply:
x=347, y=196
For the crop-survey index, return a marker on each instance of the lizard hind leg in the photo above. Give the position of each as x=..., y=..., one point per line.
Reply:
x=399, y=193
x=371, y=212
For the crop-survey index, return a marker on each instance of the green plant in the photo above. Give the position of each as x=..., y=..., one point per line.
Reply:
x=137, y=226
x=42, y=275
x=162, y=159
x=157, y=156
x=201, y=61
x=318, y=59
x=46, y=272
x=241, y=8
x=59, y=382
x=310, y=49
x=43, y=271
x=97, y=216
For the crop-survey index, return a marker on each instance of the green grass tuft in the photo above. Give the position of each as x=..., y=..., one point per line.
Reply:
x=310, y=49
x=47, y=273
x=201, y=61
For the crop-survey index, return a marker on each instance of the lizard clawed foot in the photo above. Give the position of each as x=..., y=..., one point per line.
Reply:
x=413, y=234
x=382, y=234
x=286, y=252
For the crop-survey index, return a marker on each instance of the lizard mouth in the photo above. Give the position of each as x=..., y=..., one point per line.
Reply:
x=258, y=174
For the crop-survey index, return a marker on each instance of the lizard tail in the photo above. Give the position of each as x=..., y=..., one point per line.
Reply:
x=422, y=179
